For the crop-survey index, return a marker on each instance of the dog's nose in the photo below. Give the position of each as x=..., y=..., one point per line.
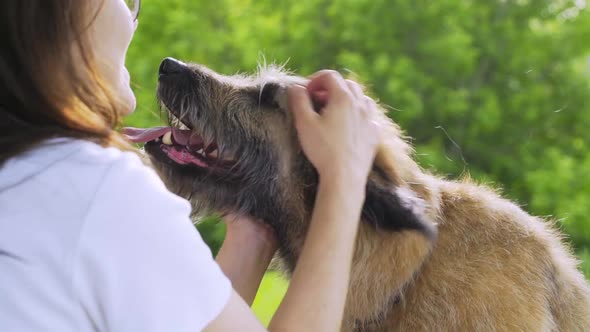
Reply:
x=171, y=66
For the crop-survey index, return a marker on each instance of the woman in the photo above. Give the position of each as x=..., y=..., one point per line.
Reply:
x=90, y=239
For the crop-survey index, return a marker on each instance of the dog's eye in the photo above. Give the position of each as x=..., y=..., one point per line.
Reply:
x=267, y=96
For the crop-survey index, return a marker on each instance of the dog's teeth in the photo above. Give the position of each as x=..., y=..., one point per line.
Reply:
x=213, y=154
x=157, y=140
x=167, y=138
x=200, y=151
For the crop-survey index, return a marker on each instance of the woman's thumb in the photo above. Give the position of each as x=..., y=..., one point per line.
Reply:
x=300, y=106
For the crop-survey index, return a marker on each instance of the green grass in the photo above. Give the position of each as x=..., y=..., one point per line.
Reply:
x=270, y=294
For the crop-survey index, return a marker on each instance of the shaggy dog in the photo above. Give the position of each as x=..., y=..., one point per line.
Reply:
x=431, y=254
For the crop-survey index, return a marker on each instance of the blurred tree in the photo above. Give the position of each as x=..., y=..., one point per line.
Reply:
x=496, y=88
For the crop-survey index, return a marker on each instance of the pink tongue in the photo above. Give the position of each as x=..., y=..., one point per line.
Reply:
x=139, y=135
x=182, y=156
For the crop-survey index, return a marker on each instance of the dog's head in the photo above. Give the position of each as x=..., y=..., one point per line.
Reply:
x=231, y=146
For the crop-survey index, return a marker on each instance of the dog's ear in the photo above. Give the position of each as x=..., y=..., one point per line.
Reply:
x=390, y=207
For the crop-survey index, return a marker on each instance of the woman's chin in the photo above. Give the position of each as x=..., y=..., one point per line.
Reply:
x=127, y=95
x=129, y=104
x=127, y=100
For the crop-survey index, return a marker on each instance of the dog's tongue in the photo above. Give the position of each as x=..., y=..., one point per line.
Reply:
x=180, y=136
x=141, y=135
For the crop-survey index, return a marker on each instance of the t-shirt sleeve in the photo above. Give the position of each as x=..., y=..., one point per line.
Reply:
x=140, y=264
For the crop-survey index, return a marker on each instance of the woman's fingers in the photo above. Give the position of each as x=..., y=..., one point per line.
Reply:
x=301, y=107
x=360, y=99
x=355, y=88
x=338, y=93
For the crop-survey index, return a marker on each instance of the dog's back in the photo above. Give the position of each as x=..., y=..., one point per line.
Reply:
x=493, y=268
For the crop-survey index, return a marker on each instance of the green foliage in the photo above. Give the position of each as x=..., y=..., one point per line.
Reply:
x=271, y=292
x=496, y=88
x=213, y=232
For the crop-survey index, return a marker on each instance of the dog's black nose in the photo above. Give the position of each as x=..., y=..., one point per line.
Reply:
x=171, y=66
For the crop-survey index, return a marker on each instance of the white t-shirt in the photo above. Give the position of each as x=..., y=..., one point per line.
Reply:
x=91, y=240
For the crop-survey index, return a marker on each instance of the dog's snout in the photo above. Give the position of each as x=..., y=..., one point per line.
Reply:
x=171, y=66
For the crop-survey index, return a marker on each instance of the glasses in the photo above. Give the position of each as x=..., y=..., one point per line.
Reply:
x=134, y=7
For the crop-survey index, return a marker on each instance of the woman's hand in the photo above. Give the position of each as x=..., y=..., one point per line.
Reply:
x=246, y=252
x=245, y=228
x=341, y=139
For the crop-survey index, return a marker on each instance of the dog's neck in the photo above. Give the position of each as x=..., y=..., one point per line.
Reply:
x=375, y=323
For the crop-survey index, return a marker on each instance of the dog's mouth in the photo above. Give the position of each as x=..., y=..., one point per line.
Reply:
x=183, y=146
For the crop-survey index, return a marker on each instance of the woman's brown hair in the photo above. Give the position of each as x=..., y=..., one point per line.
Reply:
x=48, y=83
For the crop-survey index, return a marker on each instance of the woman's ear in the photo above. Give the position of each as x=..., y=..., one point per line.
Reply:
x=390, y=207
